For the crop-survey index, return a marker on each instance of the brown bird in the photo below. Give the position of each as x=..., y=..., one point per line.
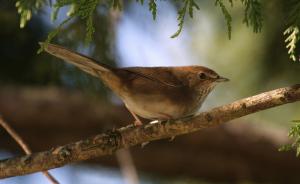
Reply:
x=156, y=93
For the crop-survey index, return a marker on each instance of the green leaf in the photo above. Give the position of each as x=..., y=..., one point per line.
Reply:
x=285, y=148
x=141, y=1
x=26, y=8
x=53, y=33
x=298, y=151
x=253, y=15
x=227, y=16
x=292, y=37
x=294, y=13
x=153, y=8
x=83, y=9
x=294, y=133
x=180, y=18
x=89, y=29
x=190, y=4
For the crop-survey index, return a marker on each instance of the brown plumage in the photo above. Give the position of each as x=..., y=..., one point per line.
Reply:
x=160, y=93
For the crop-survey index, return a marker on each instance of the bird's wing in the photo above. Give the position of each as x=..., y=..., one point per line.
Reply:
x=159, y=75
x=95, y=68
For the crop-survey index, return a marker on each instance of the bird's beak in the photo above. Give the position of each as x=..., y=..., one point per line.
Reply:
x=222, y=79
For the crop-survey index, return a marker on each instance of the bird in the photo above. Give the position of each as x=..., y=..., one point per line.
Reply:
x=153, y=93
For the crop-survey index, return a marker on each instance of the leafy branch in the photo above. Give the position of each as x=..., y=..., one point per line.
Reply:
x=253, y=15
x=85, y=9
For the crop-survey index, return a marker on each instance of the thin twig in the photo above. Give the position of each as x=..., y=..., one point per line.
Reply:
x=125, y=137
x=23, y=145
x=127, y=166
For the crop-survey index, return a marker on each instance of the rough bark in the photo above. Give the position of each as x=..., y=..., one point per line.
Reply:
x=109, y=142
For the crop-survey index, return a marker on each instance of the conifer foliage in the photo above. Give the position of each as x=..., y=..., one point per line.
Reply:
x=84, y=9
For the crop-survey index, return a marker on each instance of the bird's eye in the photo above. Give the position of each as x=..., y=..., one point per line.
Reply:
x=202, y=76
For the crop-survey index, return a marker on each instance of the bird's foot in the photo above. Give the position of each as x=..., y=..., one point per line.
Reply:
x=154, y=122
x=172, y=138
x=137, y=123
x=144, y=144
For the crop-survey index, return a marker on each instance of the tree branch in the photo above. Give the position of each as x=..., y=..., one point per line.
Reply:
x=109, y=142
x=24, y=146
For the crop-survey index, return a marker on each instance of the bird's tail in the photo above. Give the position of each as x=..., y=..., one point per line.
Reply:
x=83, y=62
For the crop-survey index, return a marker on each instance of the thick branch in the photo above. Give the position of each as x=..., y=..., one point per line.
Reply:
x=108, y=143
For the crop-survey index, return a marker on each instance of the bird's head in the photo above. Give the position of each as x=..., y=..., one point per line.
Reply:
x=203, y=78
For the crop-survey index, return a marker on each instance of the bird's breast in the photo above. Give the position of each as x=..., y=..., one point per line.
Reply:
x=161, y=105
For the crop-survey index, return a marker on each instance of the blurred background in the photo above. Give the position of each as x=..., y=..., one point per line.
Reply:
x=50, y=103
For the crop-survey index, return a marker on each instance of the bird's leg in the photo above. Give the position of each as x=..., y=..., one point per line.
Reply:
x=137, y=121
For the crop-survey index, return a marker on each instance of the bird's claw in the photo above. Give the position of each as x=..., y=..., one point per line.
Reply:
x=172, y=138
x=144, y=144
x=137, y=123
